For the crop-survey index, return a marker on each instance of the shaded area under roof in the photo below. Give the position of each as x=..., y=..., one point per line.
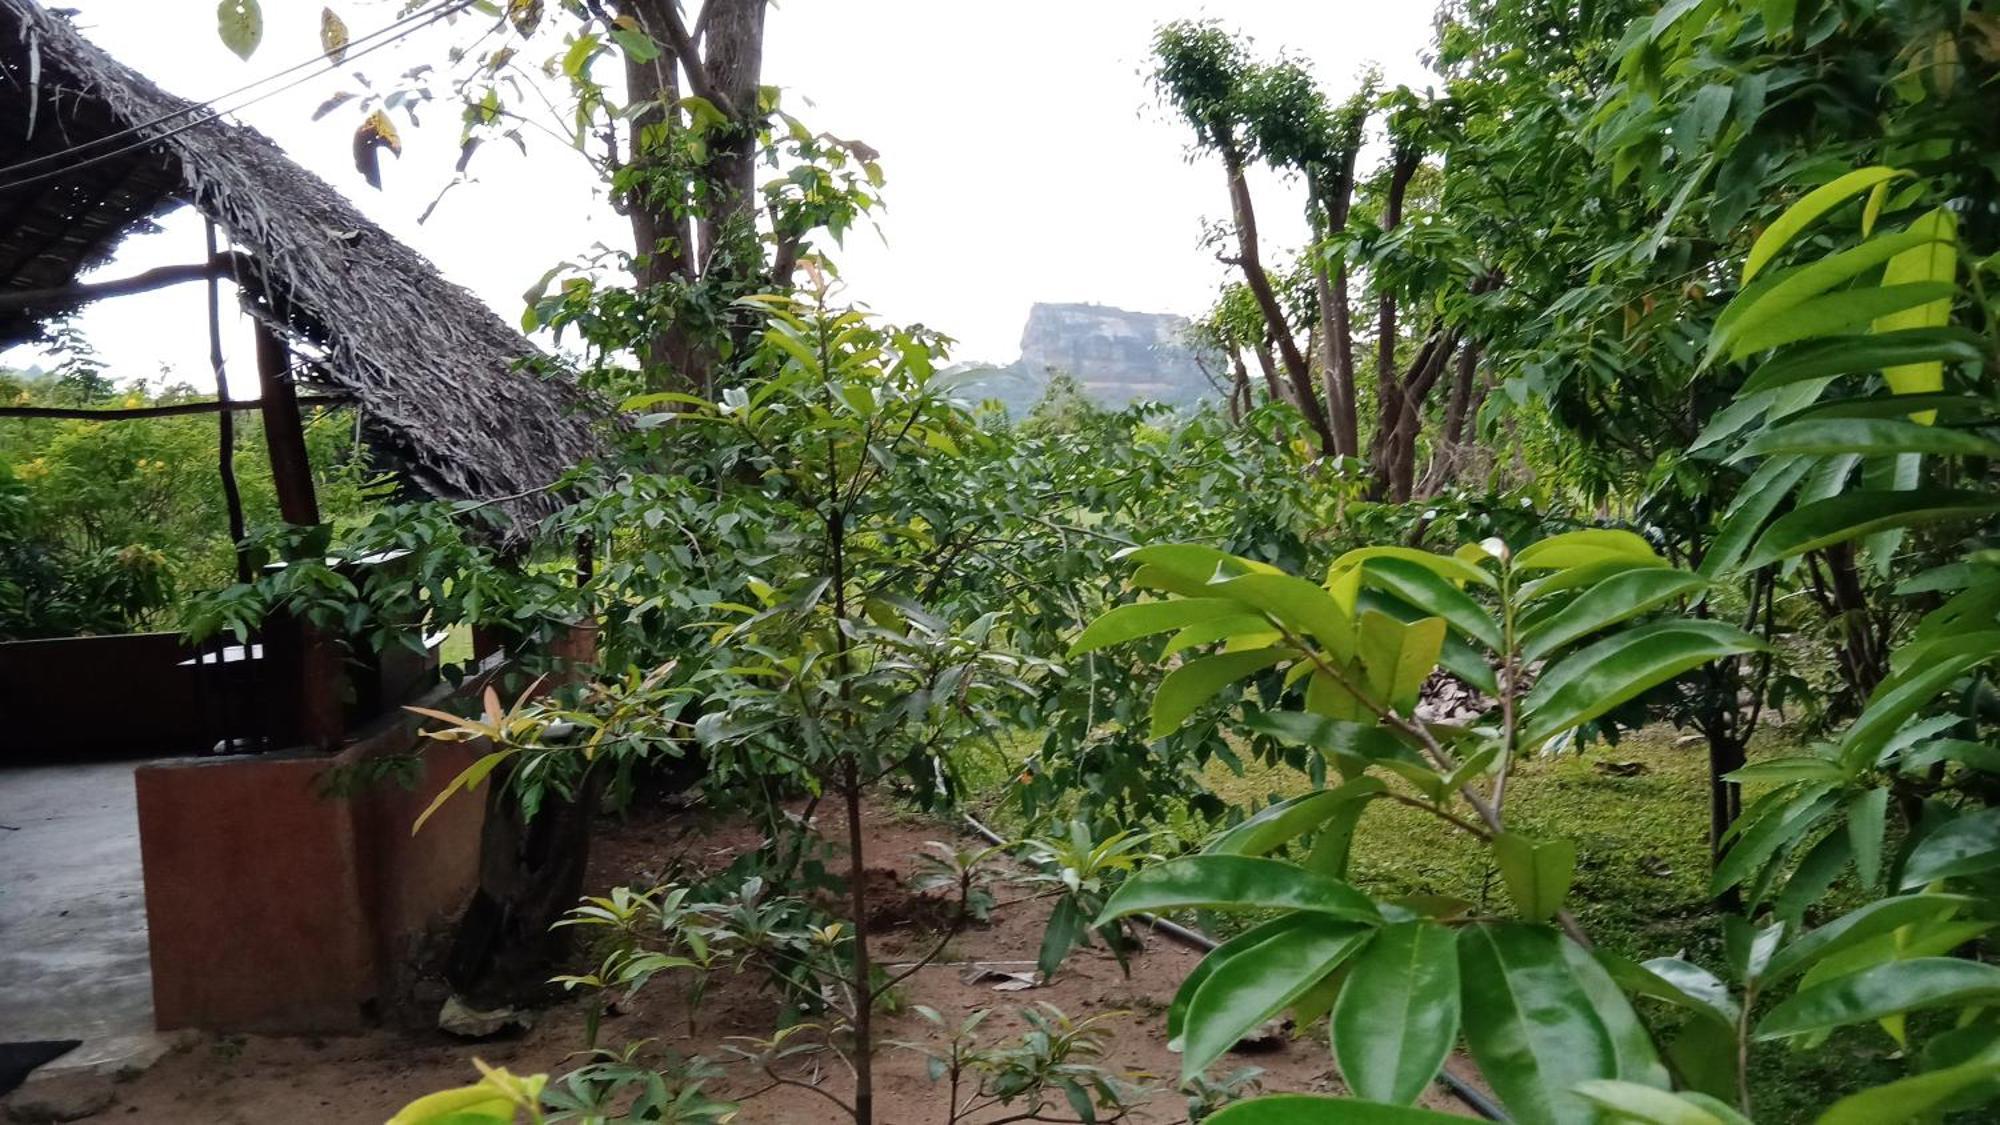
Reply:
x=465, y=405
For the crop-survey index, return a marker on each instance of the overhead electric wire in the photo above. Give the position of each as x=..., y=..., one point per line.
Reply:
x=402, y=30
x=424, y=15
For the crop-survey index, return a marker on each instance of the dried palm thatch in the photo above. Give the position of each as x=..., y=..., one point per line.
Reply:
x=466, y=406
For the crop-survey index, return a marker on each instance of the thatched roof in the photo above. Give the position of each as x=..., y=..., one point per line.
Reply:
x=464, y=404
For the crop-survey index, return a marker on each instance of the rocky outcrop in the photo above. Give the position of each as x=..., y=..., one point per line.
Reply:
x=1119, y=357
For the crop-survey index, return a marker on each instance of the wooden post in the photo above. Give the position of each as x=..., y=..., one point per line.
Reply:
x=320, y=669
x=225, y=421
x=284, y=432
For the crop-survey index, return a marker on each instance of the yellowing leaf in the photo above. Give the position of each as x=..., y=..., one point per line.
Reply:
x=1931, y=262
x=332, y=35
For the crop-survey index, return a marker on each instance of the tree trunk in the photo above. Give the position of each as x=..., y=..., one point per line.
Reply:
x=1239, y=387
x=1297, y=371
x=732, y=39
x=1390, y=389
x=1279, y=390
x=530, y=874
x=722, y=61
x=1449, y=455
x=1335, y=350
x=661, y=240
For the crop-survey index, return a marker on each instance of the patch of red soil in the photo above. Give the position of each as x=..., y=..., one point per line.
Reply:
x=364, y=1079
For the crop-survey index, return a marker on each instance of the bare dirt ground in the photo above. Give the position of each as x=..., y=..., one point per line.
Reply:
x=239, y=1080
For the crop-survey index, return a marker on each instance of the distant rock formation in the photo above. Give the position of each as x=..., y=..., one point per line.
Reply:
x=1118, y=356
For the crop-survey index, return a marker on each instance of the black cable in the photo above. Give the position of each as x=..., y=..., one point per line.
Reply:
x=351, y=46
x=148, y=141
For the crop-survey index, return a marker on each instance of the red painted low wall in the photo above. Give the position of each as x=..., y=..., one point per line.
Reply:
x=274, y=908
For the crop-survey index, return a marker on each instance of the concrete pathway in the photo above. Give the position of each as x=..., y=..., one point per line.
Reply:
x=72, y=907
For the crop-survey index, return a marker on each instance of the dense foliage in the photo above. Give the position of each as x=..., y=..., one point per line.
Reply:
x=1683, y=412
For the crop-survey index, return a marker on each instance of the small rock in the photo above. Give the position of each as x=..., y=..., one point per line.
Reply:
x=467, y=1022
x=69, y=1096
x=1271, y=1035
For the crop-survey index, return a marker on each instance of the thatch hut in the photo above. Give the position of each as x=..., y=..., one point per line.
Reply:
x=269, y=905
x=91, y=150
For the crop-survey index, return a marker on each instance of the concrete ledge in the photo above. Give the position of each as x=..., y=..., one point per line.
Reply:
x=275, y=908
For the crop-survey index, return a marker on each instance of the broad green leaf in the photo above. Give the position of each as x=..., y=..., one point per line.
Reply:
x=1916, y=1098
x=1867, y=436
x=1810, y=280
x=1530, y=1023
x=1319, y=1109
x=1064, y=930
x=1631, y=1102
x=240, y=23
x=1953, y=406
x=1196, y=682
x=1789, y=769
x=1218, y=957
x=1362, y=743
x=1683, y=984
x=1866, y=817
x=1143, y=619
x=1433, y=596
x=1458, y=657
x=1600, y=676
x=1761, y=495
x=1537, y=873
x=1838, y=312
x=1399, y=657
x=1966, y=845
x=1902, y=695
x=1234, y=882
x=1807, y=211
x=1335, y=839
x=1768, y=836
x=1885, y=990
x=1814, y=876
x=1858, y=354
x=1264, y=980
x=1580, y=577
x=1620, y=597
x=1633, y=1056
x=1303, y=609
x=1748, y=946
x=1447, y=567
x=1397, y=1016
x=1838, y=519
x=1241, y=630
x=1935, y=262
x=1851, y=929
x=1278, y=824
x=1582, y=548
x=1187, y=568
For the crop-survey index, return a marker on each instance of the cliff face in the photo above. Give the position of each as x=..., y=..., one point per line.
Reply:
x=1118, y=356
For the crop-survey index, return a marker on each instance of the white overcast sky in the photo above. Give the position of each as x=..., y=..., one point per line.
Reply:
x=1026, y=157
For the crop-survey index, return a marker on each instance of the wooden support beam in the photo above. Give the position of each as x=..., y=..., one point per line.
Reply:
x=62, y=298
x=171, y=410
x=284, y=432
x=321, y=671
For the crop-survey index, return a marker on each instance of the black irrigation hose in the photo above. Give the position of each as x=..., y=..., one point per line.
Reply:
x=1474, y=1099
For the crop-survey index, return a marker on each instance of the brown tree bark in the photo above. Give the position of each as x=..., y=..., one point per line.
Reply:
x=1328, y=207
x=1297, y=371
x=720, y=59
x=1390, y=389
